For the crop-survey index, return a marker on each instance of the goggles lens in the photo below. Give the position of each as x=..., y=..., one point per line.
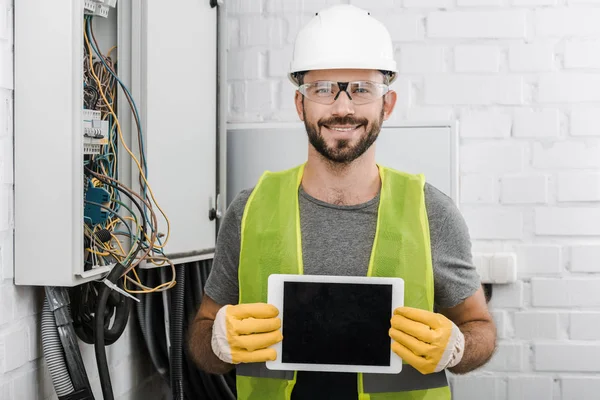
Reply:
x=327, y=92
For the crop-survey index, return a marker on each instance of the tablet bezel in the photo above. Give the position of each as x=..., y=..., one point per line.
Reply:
x=275, y=297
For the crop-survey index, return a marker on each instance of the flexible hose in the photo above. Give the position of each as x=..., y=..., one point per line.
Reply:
x=99, y=345
x=176, y=328
x=54, y=354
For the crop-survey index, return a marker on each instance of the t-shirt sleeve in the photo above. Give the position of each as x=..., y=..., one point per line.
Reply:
x=222, y=283
x=455, y=276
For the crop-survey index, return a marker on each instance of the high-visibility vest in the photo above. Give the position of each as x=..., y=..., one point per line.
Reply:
x=271, y=244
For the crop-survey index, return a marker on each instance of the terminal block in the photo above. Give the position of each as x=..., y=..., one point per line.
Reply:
x=95, y=132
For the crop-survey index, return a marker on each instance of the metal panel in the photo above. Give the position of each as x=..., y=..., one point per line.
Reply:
x=179, y=111
x=431, y=149
x=48, y=143
x=49, y=140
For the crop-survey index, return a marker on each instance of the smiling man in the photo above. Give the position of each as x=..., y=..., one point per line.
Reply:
x=343, y=65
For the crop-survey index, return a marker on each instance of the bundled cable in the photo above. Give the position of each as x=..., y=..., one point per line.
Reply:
x=186, y=380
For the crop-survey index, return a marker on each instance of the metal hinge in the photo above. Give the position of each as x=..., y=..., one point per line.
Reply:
x=216, y=212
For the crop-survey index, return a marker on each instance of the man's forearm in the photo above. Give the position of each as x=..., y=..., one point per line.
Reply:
x=201, y=350
x=480, y=343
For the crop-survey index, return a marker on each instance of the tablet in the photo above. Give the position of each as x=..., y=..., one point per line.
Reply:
x=335, y=323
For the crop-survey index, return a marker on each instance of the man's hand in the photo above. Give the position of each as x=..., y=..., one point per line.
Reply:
x=243, y=333
x=428, y=341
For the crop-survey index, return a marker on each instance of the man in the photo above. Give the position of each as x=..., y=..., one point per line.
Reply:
x=345, y=215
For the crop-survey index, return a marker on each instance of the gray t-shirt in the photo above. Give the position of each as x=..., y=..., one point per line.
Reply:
x=337, y=240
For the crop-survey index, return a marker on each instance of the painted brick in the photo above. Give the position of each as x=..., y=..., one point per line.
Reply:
x=533, y=2
x=259, y=97
x=501, y=321
x=492, y=157
x=422, y=59
x=567, y=155
x=478, y=189
x=233, y=33
x=532, y=57
x=261, y=31
x=468, y=90
x=538, y=259
x=404, y=27
x=244, y=64
x=532, y=325
x=571, y=357
x=27, y=386
x=508, y=357
x=485, y=124
x=569, y=88
x=499, y=223
x=584, y=325
x=565, y=221
x=582, y=54
x=244, y=6
x=585, y=258
x=536, y=123
x=298, y=6
x=7, y=301
x=478, y=387
x=429, y=114
x=530, y=387
x=427, y=3
x=477, y=24
x=567, y=21
x=580, y=388
x=581, y=186
x=583, y=122
x=386, y=5
x=478, y=3
x=279, y=61
x=476, y=58
x=524, y=189
x=566, y=292
x=507, y=296
x=16, y=352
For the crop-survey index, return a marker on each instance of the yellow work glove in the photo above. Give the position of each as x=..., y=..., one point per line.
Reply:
x=243, y=333
x=428, y=341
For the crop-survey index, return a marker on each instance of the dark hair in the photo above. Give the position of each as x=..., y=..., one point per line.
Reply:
x=299, y=77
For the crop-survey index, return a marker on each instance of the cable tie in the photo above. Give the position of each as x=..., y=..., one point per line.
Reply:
x=118, y=289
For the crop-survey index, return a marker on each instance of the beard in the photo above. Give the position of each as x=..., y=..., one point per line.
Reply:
x=343, y=152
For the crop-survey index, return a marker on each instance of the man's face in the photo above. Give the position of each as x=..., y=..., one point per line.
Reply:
x=343, y=131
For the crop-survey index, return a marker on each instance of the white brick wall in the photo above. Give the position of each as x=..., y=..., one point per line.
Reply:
x=522, y=77
x=23, y=374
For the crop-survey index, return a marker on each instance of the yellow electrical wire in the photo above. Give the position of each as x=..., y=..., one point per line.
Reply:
x=118, y=125
x=166, y=285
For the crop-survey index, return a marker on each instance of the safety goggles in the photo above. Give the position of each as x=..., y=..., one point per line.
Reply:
x=327, y=92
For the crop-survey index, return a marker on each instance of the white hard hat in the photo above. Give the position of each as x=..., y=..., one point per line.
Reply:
x=343, y=37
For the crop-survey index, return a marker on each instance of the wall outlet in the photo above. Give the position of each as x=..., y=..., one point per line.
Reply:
x=499, y=268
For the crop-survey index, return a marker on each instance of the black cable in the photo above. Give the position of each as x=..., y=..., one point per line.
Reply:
x=99, y=347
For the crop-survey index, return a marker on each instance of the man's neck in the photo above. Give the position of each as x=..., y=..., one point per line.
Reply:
x=350, y=184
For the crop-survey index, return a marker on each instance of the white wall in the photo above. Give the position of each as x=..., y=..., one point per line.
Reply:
x=23, y=375
x=523, y=79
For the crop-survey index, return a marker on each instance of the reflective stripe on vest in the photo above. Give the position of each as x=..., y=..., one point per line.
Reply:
x=271, y=243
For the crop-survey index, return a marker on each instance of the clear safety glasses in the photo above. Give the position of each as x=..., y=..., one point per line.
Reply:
x=327, y=92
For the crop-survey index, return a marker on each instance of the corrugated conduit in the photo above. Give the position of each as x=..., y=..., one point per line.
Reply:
x=54, y=354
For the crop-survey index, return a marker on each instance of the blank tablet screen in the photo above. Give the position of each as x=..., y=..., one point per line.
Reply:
x=336, y=323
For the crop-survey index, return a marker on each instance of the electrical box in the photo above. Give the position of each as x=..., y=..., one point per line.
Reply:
x=430, y=148
x=158, y=53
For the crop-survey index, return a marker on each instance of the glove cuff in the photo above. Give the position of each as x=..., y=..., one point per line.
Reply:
x=218, y=341
x=456, y=345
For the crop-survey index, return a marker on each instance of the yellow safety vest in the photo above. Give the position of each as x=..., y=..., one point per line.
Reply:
x=271, y=244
